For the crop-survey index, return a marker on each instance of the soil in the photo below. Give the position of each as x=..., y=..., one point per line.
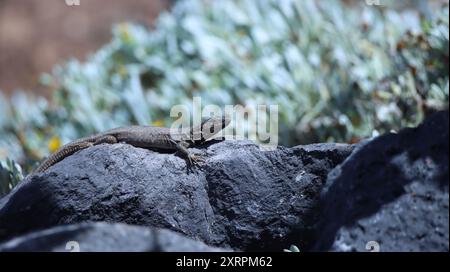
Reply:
x=36, y=35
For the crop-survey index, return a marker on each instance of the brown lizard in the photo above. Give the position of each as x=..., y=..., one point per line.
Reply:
x=150, y=137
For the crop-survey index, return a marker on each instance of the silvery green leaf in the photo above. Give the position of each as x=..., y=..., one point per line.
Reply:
x=134, y=96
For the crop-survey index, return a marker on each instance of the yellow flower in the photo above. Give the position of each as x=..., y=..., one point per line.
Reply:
x=122, y=71
x=158, y=123
x=124, y=33
x=54, y=144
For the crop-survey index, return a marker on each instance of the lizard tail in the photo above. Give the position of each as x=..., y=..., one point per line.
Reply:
x=59, y=155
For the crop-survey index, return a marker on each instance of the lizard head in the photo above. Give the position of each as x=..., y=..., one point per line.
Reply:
x=209, y=127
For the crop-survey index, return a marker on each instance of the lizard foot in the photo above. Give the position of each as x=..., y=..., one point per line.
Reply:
x=195, y=160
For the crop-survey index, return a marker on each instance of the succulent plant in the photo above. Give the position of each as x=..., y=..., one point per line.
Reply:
x=338, y=73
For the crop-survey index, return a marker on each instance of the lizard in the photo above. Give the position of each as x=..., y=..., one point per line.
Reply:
x=150, y=137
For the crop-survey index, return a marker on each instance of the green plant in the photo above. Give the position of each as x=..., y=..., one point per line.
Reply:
x=10, y=175
x=338, y=73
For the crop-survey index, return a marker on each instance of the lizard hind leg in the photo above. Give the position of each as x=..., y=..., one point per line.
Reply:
x=62, y=153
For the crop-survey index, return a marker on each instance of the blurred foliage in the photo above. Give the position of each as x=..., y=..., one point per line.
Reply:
x=10, y=175
x=338, y=73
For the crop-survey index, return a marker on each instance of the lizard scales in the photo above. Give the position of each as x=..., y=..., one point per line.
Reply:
x=150, y=137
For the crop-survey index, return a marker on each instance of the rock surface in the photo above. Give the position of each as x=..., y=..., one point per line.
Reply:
x=103, y=237
x=392, y=190
x=243, y=198
x=389, y=193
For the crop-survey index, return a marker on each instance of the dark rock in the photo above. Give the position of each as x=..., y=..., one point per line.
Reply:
x=103, y=237
x=243, y=198
x=392, y=190
x=267, y=200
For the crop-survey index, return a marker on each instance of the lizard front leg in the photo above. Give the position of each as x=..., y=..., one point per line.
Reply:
x=193, y=159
